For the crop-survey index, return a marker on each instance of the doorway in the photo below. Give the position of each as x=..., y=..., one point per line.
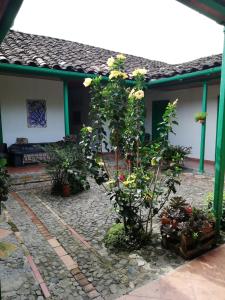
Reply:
x=158, y=109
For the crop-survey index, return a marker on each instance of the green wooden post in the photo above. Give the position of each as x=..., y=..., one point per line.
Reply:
x=203, y=129
x=66, y=108
x=220, y=150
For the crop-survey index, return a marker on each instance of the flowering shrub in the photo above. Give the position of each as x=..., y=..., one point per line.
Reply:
x=141, y=191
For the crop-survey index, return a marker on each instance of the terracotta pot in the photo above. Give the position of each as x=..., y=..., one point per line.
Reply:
x=201, y=121
x=66, y=191
x=165, y=220
x=207, y=229
x=188, y=209
x=174, y=224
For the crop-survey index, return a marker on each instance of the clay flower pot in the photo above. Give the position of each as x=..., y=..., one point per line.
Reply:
x=165, y=220
x=174, y=224
x=207, y=229
x=66, y=191
x=201, y=121
x=188, y=210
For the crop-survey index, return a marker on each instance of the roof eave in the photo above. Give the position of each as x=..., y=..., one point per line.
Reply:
x=8, y=12
x=214, y=10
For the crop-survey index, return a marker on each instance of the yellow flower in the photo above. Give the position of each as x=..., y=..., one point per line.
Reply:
x=89, y=129
x=116, y=74
x=121, y=57
x=126, y=182
x=87, y=82
x=100, y=163
x=110, y=62
x=139, y=94
x=124, y=75
x=153, y=161
x=129, y=183
x=175, y=102
x=139, y=72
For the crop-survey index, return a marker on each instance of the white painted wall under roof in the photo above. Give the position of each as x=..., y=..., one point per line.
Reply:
x=16, y=90
x=14, y=93
x=188, y=133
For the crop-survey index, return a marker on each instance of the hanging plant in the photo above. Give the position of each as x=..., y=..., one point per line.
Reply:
x=200, y=117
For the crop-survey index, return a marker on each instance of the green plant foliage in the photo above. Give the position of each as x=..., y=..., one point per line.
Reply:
x=67, y=165
x=200, y=116
x=209, y=202
x=169, y=156
x=4, y=181
x=179, y=218
x=6, y=249
x=116, y=237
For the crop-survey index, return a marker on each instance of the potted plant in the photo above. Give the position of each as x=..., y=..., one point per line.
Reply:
x=67, y=167
x=66, y=190
x=194, y=232
x=200, y=117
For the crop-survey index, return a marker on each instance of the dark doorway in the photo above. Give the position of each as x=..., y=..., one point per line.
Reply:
x=158, y=109
x=79, y=102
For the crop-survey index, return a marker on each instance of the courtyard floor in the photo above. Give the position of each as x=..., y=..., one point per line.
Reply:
x=57, y=249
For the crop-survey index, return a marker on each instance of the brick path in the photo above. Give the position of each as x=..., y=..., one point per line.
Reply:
x=66, y=251
x=70, y=264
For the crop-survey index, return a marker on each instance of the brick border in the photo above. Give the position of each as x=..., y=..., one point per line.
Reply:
x=30, y=261
x=70, y=264
x=77, y=235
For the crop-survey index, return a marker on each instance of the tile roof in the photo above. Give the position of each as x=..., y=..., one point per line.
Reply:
x=41, y=51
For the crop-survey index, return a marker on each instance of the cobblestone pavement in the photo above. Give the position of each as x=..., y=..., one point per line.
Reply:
x=78, y=224
x=17, y=281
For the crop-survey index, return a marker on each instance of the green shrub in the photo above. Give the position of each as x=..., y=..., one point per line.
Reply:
x=67, y=165
x=209, y=201
x=116, y=237
x=4, y=181
x=172, y=156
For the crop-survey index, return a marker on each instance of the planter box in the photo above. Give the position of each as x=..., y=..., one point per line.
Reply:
x=189, y=248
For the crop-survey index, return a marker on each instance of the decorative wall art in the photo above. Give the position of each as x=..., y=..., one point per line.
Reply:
x=36, y=114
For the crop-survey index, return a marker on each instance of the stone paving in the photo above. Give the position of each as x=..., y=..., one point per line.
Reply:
x=200, y=279
x=17, y=281
x=78, y=224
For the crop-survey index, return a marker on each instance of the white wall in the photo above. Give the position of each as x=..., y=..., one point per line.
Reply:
x=188, y=133
x=14, y=93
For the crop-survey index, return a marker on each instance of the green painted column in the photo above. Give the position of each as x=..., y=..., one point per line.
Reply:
x=220, y=150
x=203, y=129
x=66, y=108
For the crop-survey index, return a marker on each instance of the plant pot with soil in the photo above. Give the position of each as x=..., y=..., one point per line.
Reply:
x=66, y=190
x=194, y=232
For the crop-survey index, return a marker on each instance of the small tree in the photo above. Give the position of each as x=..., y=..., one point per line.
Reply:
x=141, y=191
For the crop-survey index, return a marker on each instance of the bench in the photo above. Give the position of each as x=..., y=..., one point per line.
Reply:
x=20, y=154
